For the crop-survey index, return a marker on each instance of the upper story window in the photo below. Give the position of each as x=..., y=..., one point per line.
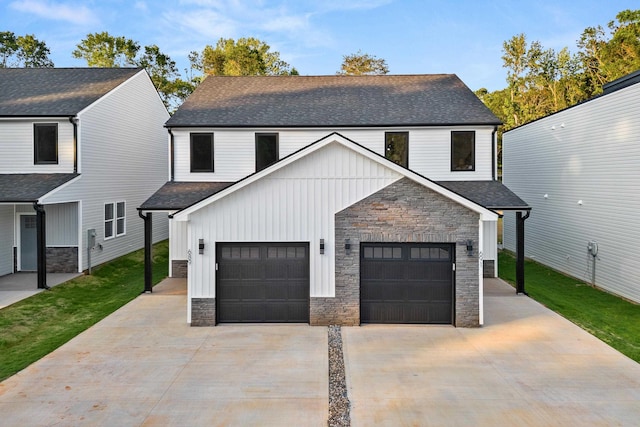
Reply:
x=463, y=150
x=266, y=150
x=45, y=143
x=201, y=152
x=396, y=147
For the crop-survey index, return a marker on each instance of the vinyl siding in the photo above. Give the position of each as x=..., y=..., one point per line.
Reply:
x=177, y=240
x=429, y=150
x=296, y=203
x=17, y=145
x=593, y=156
x=6, y=239
x=62, y=224
x=123, y=157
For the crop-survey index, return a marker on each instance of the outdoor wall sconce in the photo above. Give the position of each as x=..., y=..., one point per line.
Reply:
x=200, y=246
x=469, y=247
x=321, y=246
x=347, y=246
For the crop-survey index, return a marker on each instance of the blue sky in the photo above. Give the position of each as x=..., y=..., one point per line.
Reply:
x=463, y=37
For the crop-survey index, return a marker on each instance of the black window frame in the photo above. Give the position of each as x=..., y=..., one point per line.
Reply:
x=387, y=148
x=37, y=142
x=259, y=167
x=467, y=167
x=191, y=143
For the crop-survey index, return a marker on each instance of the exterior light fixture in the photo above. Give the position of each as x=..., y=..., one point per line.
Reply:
x=347, y=246
x=200, y=246
x=321, y=246
x=469, y=247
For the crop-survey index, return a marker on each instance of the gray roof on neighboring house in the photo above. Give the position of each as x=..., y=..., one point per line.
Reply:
x=490, y=194
x=332, y=101
x=179, y=195
x=33, y=92
x=29, y=187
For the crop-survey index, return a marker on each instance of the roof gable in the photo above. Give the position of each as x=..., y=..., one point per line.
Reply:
x=32, y=92
x=332, y=101
x=336, y=138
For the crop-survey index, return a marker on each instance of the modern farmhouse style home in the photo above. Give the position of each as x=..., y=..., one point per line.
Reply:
x=80, y=149
x=333, y=200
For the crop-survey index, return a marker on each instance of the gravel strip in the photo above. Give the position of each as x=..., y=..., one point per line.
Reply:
x=338, y=400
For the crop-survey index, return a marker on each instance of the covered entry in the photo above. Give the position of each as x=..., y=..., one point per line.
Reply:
x=407, y=283
x=262, y=282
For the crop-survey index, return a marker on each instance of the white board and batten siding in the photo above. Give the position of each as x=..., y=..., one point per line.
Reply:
x=17, y=146
x=429, y=150
x=122, y=157
x=579, y=170
x=294, y=204
x=6, y=239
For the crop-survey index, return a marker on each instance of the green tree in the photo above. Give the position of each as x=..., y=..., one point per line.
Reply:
x=359, y=63
x=244, y=57
x=104, y=50
x=23, y=51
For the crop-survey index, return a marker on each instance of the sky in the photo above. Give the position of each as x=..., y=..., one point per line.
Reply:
x=462, y=37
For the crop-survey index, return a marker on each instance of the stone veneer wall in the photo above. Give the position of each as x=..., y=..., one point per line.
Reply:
x=488, y=268
x=62, y=260
x=401, y=212
x=203, y=311
x=179, y=268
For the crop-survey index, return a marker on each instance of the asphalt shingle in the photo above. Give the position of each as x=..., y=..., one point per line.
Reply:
x=29, y=187
x=179, y=195
x=490, y=194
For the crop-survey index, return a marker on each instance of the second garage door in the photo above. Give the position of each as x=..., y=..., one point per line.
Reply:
x=263, y=282
x=406, y=283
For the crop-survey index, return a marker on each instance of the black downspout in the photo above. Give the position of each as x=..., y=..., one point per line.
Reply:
x=74, y=122
x=41, y=245
x=148, y=244
x=494, y=154
x=520, y=252
x=171, y=155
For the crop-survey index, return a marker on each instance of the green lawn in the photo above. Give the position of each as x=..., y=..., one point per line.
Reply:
x=33, y=327
x=612, y=319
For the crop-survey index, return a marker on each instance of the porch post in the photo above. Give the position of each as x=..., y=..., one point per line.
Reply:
x=520, y=252
x=41, y=245
x=148, y=245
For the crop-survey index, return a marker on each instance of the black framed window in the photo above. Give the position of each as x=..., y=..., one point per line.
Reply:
x=45, y=143
x=463, y=150
x=396, y=147
x=201, y=152
x=266, y=150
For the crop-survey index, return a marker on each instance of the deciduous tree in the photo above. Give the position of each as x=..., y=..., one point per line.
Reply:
x=23, y=51
x=359, y=63
x=104, y=50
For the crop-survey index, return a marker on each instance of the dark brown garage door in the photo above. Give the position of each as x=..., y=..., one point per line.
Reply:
x=406, y=283
x=263, y=282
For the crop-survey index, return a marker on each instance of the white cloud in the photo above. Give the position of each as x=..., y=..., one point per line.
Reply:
x=140, y=5
x=75, y=14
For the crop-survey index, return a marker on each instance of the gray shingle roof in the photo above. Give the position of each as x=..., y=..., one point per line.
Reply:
x=30, y=92
x=29, y=187
x=332, y=101
x=179, y=195
x=490, y=194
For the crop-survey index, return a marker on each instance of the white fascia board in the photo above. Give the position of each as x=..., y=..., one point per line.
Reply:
x=486, y=214
x=43, y=199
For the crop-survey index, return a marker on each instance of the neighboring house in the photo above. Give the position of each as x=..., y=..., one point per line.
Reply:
x=80, y=149
x=580, y=170
x=333, y=200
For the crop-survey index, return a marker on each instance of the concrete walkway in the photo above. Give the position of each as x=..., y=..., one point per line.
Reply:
x=526, y=366
x=145, y=366
x=18, y=286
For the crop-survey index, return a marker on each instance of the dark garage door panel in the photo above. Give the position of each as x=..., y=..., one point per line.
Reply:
x=407, y=283
x=263, y=282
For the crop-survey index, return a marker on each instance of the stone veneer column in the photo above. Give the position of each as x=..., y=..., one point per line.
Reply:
x=401, y=212
x=203, y=311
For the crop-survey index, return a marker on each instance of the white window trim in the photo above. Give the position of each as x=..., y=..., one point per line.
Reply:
x=123, y=218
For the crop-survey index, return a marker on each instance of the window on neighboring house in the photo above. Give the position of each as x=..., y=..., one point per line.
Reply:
x=266, y=150
x=463, y=150
x=201, y=152
x=114, y=220
x=45, y=143
x=396, y=147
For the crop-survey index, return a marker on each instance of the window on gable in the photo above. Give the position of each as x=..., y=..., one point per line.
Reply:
x=266, y=150
x=45, y=143
x=396, y=147
x=201, y=152
x=463, y=150
x=108, y=220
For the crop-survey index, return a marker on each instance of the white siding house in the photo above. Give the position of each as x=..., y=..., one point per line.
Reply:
x=579, y=169
x=104, y=153
x=282, y=187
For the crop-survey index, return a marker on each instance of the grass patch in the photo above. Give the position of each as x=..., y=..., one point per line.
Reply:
x=34, y=327
x=606, y=316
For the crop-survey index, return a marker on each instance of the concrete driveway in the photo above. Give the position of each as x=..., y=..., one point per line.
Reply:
x=144, y=366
